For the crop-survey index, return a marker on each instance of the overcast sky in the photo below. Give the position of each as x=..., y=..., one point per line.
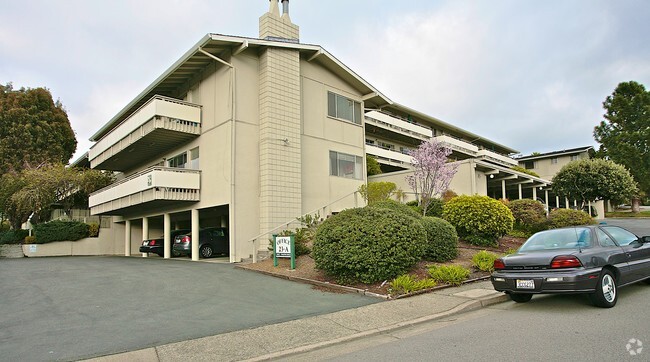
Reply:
x=531, y=75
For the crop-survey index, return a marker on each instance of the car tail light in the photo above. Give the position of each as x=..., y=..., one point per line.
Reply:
x=499, y=264
x=152, y=242
x=565, y=261
x=185, y=239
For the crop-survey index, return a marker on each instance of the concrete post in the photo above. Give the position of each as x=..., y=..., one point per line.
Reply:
x=520, y=193
x=195, y=234
x=534, y=193
x=557, y=202
x=503, y=189
x=127, y=238
x=167, y=227
x=566, y=202
x=145, y=232
x=546, y=198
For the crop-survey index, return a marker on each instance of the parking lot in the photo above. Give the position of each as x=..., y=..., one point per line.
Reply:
x=79, y=307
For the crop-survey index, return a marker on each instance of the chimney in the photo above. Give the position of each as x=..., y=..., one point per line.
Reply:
x=276, y=27
x=285, y=10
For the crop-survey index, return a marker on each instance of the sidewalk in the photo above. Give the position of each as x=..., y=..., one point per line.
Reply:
x=284, y=339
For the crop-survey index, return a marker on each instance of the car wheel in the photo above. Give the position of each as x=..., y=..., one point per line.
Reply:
x=606, y=293
x=206, y=251
x=521, y=297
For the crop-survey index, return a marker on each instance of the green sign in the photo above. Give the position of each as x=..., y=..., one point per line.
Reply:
x=284, y=247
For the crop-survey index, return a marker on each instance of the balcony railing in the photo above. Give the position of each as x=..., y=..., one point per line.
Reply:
x=158, y=125
x=397, y=125
x=153, y=184
x=385, y=154
x=494, y=157
x=458, y=145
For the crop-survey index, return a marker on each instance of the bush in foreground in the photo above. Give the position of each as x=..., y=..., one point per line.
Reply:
x=368, y=244
x=529, y=215
x=478, y=219
x=560, y=218
x=442, y=240
x=396, y=206
x=60, y=231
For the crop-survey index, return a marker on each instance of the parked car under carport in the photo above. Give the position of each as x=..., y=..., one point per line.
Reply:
x=157, y=245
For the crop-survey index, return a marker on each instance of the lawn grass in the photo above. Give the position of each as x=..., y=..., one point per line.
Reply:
x=627, y=214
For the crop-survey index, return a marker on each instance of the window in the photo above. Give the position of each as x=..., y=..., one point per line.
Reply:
x=344, y=165
x=604, y=239
x=343, y=108
x=194, y=158
x=179, y=161
x=575, y=158
x=529, y=165
x=623, y=237
x=554, y=160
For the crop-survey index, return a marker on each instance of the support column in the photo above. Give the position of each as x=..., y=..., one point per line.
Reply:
x=519, y=187
x=145, y=232
x=546, y=198
x=195, y=234
x=167, y=227
x=534, y=193
x=557, y=202
x=503, y=190
x=127, y=238
x=566, y=202
x=575, y=203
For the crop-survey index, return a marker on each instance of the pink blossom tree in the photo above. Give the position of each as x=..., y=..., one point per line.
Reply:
x=433, y=172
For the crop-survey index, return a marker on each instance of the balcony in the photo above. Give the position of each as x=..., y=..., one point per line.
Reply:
x=457, y=145
x=160, y=124
x=390, y=157
x=399, y=126
x=149, y=188
x=496, y=158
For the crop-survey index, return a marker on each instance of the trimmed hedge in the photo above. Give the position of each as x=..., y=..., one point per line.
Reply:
x=60, y=231
x=481, y=218
x=529, y=215
x=442, y=240
x=368, y=244
x=13, y=236
x=568, y=217
x=397, y=206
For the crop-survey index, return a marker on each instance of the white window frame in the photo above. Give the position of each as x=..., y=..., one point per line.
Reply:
x=356, y=173
x=356, y=114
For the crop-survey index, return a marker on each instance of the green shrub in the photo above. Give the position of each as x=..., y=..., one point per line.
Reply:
x=13, y=236
x=480, y=240
x=484, y=260
x=529, y=215
x=442, y=240
x=93, y=230
x=406, y=283
x=368, y=244
x=481, y=217
x=377, y=191
x=434, y=209
x=397, y=206
x=521, y=233
x=567, y=217
x=30, y=239
x=525, y=170
x=5, y=226
x=60, y=231
x=449, y=274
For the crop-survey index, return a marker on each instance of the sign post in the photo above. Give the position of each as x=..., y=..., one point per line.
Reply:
x=284, y=247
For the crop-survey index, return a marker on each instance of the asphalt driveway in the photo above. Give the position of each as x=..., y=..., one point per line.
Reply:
x=80, y=307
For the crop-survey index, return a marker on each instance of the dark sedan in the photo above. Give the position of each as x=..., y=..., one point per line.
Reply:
x=157, y=246
x=212, y=241
x=595, y=259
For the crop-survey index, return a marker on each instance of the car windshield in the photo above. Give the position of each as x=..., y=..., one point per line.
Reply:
x=573, y=238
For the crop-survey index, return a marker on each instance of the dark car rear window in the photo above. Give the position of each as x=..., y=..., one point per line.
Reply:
x=573, y=238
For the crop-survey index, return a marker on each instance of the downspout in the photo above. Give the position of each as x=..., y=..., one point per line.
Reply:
x=233, y=138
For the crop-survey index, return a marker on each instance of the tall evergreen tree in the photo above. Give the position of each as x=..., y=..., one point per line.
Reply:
x=33, y=129
x=624, y=134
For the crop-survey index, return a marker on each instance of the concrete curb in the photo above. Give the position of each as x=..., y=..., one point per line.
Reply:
x=462, y=308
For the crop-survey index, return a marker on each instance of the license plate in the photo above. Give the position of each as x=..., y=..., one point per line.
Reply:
x=525, y=284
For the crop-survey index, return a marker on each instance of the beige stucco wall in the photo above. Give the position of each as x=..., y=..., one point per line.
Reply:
x=546, y=169
x=104, y=244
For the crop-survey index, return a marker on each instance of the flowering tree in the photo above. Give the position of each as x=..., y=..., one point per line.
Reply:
x=432, y=172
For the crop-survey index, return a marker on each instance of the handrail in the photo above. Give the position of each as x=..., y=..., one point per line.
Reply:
x=143, y=172
x=294, y=220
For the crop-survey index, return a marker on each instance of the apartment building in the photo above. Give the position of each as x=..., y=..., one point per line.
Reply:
x=251, y=133
x=546, y=165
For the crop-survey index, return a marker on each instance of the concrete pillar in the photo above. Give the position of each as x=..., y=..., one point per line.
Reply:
x=534, y=193
x=127, y=238
x=600, y=209
x=472, y=173
x=566, y=202
x=546, y=197
x=503, y=189
x=520, y=193
x=575, y=203
x=557, y=202
x=167, y=227
x=145, y=232
x=195, y=234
